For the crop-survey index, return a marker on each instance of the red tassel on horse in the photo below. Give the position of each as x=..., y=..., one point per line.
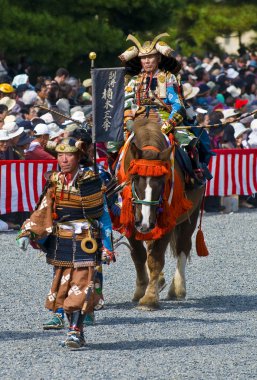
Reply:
x=201, y=248
x=126, y=216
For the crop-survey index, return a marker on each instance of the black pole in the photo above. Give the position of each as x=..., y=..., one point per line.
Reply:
x=95, y=165
x=92, y=56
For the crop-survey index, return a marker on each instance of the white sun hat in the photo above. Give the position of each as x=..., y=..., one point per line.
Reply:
x=234, y=91
x=239, y=129
x=9, y=118
x=8, y=102
x=78, y=116
x=47, y=117
x=55, y=130
x=190, y=91
x=4, y=136
x=229, y=112
x=13, y=129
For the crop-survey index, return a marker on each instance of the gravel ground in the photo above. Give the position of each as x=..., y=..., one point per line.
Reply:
x=210, y=335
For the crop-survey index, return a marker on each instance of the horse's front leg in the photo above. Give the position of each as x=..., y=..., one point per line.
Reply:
x=139, y=256
x=155, y=261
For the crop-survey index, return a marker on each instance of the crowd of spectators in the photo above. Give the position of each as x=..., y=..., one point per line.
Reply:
x=28, y=131
x=28, y=128
x=216, y=89
x=223, y=90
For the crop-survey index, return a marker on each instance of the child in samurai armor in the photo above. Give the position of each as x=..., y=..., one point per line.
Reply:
x=86, y=162
x=72, y=219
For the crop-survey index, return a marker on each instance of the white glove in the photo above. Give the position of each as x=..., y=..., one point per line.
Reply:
x=23, y=243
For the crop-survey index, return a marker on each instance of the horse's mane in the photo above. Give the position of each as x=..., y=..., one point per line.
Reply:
x=149, y=133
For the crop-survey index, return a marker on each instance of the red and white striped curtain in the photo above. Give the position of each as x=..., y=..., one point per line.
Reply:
x=234, y=171
x=22, y=182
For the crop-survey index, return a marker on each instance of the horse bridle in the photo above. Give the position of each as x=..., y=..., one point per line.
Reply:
x=136, y=200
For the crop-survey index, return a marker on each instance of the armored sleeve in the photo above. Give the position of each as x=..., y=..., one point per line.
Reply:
x=130, y=94
x=178, y=111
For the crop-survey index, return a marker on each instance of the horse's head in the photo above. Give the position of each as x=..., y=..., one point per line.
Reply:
x=148, y=176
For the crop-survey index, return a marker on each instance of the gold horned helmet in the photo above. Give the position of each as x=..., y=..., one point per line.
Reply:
x=148, y=47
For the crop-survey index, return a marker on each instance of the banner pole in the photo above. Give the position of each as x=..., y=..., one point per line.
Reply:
x=92, y=57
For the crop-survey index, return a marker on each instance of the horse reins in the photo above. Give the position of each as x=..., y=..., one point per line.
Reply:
x=136, y=200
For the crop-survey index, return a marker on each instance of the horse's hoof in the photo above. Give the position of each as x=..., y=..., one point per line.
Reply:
x=148, y=304
x=175, y=297
x=147, y=308
x=137, y=297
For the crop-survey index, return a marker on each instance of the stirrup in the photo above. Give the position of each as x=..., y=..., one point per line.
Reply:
x=200, y=178
x=199, y=173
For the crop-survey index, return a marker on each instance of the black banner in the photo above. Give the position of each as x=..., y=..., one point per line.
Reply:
x=108, y=104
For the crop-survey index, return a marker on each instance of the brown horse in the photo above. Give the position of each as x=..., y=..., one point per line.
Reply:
x=149, y=144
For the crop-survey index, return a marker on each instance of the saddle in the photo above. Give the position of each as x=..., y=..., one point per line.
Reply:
x=185, y=163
